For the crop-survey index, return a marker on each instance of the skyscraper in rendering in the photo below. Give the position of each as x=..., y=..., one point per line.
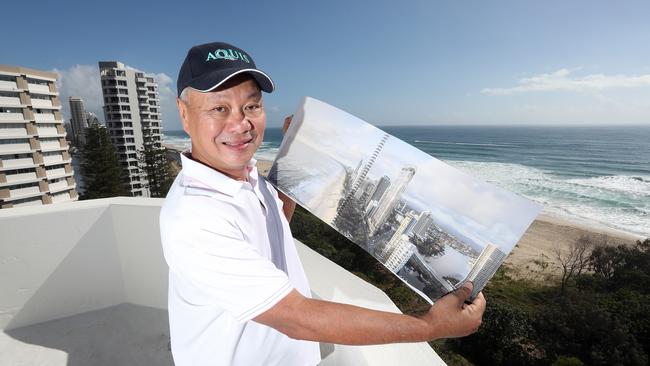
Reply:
x=132, y=114
x=389, y=200
x=35, y=164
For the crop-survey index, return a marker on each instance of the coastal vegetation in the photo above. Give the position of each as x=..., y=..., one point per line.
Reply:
x=596, y=311
x=103, y=176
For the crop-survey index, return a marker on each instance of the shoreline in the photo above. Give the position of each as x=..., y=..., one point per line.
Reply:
x=533, y=256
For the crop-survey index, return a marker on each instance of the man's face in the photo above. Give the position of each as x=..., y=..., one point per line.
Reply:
x=226, y=125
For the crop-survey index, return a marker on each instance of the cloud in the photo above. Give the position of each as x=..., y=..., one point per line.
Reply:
x=562, y=80
x=80, y=81
x=167, y=91
x=83, y=81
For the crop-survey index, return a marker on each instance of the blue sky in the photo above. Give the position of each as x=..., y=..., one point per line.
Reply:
x=407, y=63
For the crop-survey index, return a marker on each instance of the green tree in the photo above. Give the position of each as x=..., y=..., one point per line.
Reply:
x=153, y=161
x=102, y=173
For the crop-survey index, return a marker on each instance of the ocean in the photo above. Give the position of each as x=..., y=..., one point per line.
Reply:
x=594, y=174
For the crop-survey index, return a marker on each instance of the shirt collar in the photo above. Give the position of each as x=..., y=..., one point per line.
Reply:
x=195, y=172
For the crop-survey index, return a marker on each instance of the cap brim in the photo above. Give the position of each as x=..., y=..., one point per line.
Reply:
x=216, y=78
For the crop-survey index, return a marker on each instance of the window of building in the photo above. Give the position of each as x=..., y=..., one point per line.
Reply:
x=13, y=125
x=9, y=94
x=121, y=82
x=54, y=167
x=16, y=156
x=37, y=81
x=7, y=78
x=120, y=72
x=20, y=171
x=24, y=185
x=10, y=110
x=13, y=141
x=40, y=96
x=124, y=99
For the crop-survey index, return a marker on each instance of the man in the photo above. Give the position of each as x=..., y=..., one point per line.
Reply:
x=237, y=291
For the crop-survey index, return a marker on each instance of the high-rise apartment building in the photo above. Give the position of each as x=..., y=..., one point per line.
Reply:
x=35, y=164
x=132, y=114
x=78, y=121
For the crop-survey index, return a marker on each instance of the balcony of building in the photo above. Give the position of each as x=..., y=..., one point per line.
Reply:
x=10, y=101
x=17, y=147
x=44, y=117
x=10, y=162
x=85, y=283
x=8, y=85
x=11, y=117
x=39, y=88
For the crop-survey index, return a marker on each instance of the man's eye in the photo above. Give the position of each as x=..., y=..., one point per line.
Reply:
x=220, y=109
x=253, y=107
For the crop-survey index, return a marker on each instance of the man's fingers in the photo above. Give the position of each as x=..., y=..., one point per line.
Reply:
x=479, y=301
x=287, y=122
x=464, y=292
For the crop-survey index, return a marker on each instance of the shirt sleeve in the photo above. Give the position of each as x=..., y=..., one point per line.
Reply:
x=216, y=266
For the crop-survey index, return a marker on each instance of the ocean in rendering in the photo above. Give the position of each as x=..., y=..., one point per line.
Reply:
x=597, y=174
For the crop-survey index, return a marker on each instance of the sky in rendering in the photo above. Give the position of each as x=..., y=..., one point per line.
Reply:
x=389, y=63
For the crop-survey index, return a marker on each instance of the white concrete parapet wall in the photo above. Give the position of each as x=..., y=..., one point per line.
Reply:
x=83, y=259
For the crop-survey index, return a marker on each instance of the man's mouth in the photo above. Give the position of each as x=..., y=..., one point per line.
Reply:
x=238, y=144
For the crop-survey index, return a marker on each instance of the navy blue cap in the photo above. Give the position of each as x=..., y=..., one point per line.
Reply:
x=209, y=65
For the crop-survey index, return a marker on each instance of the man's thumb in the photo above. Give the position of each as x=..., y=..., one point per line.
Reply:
x=464, y=292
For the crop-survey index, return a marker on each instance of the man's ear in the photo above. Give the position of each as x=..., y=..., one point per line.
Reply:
x=182, y=112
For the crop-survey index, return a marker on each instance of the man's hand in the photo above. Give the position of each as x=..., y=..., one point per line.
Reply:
x=450, y=317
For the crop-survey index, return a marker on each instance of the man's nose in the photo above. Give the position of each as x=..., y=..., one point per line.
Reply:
x=238, y=122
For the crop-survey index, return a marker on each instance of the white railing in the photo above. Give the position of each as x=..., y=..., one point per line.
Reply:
x=55, y=173
x=10, y=101
x=41, y=103
x=36, y=88
x=18, y=162
x=11, y=117
x=50, y=145
x=47, y=159
x=8, y=85
x=91, y=260
x=17, y=193
x=22, y=177
x=15, y=148
x=44, y=117
x=14, y=131
x=47, y=131
x=62, y=184
x=61, y=197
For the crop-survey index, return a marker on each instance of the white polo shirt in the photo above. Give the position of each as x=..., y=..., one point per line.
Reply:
x=223, y=241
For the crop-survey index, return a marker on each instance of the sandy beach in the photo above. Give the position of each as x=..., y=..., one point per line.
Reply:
x=533, y=257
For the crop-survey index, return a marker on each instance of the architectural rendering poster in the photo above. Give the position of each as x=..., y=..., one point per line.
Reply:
x=433, y=225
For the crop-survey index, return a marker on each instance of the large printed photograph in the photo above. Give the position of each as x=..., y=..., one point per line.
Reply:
x=432, y=225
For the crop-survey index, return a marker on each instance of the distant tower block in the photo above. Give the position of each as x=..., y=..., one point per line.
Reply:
x=78, y=121
x=389, y=200
x=133, y=118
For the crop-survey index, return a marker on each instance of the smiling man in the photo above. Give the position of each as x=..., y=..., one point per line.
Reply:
x=238, y=294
